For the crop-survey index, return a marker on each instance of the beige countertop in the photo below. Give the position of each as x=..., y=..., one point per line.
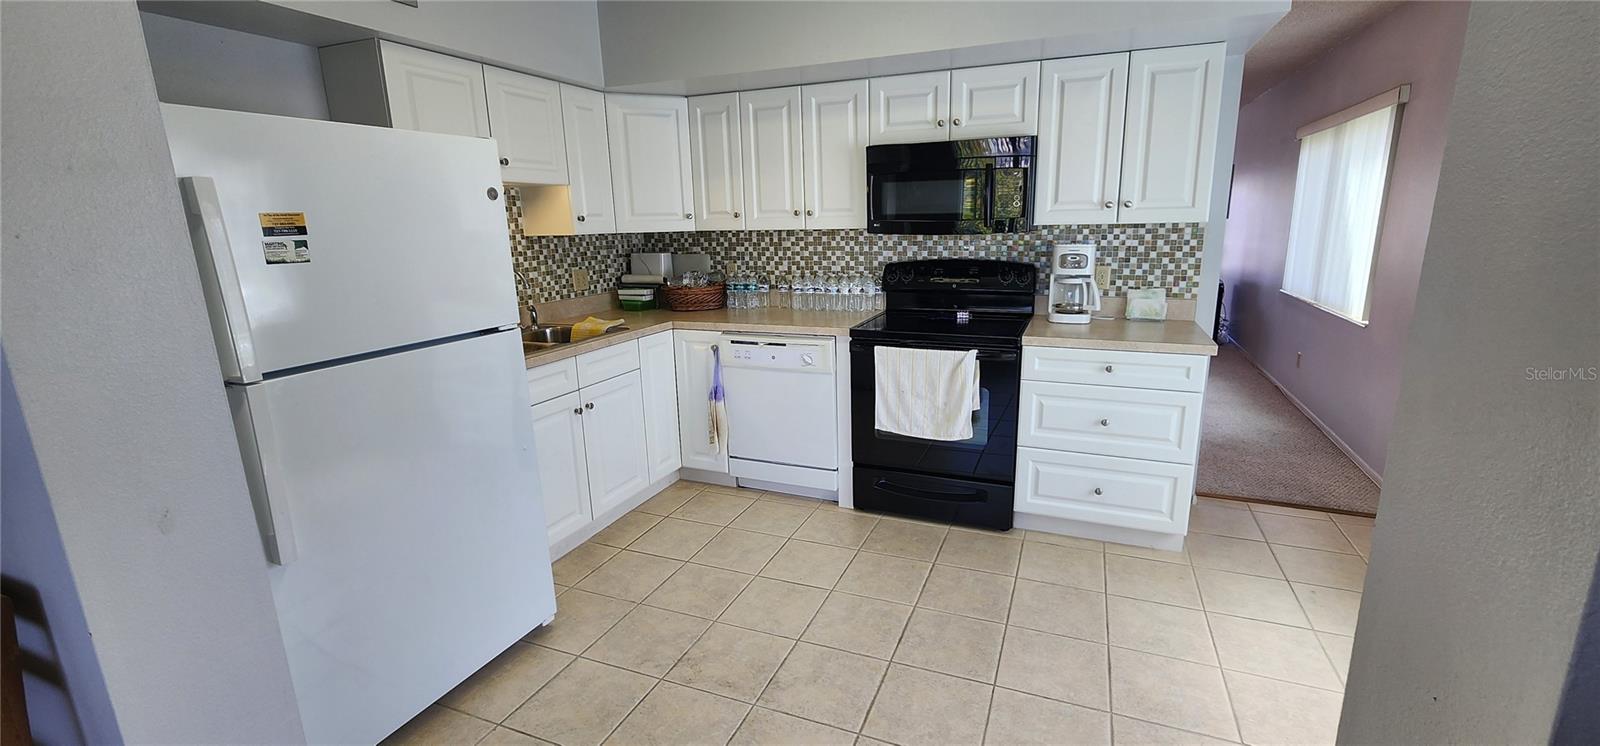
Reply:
x=1179, y=336
x=1183, y=337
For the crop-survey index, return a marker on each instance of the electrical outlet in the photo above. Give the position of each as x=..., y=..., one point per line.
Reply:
x=1297, y=357
x=580, y=279
x=728, y=269
x=1102, y=276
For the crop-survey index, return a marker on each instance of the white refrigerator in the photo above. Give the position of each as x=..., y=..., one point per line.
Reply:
x=361, y=293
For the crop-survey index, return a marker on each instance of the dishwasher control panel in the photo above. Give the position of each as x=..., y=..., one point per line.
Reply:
x=778, y=353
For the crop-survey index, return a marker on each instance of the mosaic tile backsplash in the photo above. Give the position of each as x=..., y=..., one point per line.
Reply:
x=1165, y=255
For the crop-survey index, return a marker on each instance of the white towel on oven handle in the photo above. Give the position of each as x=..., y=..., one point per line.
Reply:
x=928, y=394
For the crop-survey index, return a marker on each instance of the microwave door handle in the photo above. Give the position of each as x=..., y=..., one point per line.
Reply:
x=988, y=202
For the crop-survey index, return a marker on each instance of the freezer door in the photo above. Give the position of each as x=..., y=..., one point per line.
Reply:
x=410, y=482
x=322, y=240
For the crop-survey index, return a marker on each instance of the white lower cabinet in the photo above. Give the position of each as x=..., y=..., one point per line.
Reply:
x=613, y=439
x=594, y=442
x=693, y=356
x=660, y=382
x=563, y=473
x=1109, y=439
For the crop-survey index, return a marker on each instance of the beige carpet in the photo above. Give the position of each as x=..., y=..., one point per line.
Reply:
x=1255, y=444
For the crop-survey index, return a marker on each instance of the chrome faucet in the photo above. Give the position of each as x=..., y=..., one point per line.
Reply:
x=522, y=282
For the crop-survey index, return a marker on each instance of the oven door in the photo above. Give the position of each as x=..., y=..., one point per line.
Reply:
x=988, y=456
x=929, y=202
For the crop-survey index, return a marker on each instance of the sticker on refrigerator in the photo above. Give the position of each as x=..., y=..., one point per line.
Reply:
x=286, y=251
x=275, y=224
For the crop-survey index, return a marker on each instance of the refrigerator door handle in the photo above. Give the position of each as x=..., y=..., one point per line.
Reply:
x=258, y=441
x=224, y=294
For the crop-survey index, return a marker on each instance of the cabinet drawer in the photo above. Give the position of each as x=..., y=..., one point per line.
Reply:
x=551, y=380
x=1130, y=493
x=1143, y=370
x=613, y=361
x=1111, y=421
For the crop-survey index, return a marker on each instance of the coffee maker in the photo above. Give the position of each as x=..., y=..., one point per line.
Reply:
x=1074, y=296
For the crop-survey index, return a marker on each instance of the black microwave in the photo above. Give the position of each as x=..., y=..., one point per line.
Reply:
x=959, y=186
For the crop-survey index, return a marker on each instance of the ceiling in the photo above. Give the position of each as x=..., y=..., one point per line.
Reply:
x=1311, y=28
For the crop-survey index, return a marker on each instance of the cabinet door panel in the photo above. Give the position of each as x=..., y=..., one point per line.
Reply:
x=649, y=138
x=1127, y=493
x=692, y=357
x=714, y=151
x=910, y=108
x=659, y=376
x=525, y=118
x=995, y=101
x=434, y=92
x=613, y=438
x=835, y=132
x=770, y=122
x=563, y=472
x=583, y=117
x=1080, y=139
x=1174, y=97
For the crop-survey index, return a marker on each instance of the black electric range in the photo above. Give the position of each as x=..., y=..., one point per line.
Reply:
x=946, y=304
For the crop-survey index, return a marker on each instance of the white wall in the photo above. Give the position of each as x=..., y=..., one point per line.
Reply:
x=557, y=39
x=1485, y=549
x=109, y=349
x=649, y=42
x=211, y=66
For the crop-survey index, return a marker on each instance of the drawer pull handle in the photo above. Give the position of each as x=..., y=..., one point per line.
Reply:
x=1108, y=369
x=1105, y=423
x=1099, y=491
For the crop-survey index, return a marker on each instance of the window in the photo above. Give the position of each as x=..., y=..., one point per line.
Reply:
x=1339, y=193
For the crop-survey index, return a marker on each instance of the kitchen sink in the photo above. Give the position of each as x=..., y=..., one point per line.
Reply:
x=546, y=336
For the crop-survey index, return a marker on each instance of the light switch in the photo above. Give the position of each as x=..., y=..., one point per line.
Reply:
x=580, y=279
x=1102, y=276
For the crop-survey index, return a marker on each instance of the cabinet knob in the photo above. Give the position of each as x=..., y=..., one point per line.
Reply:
x=808, y=212
x=1105, y=423
x=1127, y=203
x=797, y=213
x=1110, y=205
x=736, y=213
x=940, y=122
x=1099, y=491
x=956, y=122
x=688, y=216
x=1108, y=369
x=580, y=218
x=577, y=410
x=589, y=405
x=505, y=161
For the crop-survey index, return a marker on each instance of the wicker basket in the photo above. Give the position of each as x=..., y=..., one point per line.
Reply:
x=693, y=299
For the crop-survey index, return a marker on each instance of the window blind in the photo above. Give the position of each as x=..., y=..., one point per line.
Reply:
x=1338, y=204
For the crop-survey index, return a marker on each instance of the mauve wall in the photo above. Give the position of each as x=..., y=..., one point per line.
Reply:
x=1350, y=375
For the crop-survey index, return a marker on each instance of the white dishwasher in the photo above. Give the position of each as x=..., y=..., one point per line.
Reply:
x=783, y=418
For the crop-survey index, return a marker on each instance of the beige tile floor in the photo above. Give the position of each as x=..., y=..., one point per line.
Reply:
x=712, y=615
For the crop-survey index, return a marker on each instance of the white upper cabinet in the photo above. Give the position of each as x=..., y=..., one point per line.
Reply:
x=770, y=121
x=910, y=108
x=714, y=157
x=1174, y=99
x=583, y=117
x=1080, y=140
x=650, y=162
x=995, y=101
x=835, y=133
x=525, y=119
x=434, y=92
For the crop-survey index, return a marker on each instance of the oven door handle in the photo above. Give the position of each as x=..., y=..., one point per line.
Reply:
x=947, y=496
x=983, y=354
